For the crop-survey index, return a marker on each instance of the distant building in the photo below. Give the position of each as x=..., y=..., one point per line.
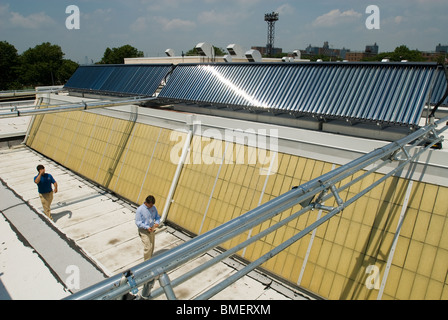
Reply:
x=431, y=56
x=370, y=51
x=442, y=49
x=325, y=50
x=355, y=56
x=263, y=50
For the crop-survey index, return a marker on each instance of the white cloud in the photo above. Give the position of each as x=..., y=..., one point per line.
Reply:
x=285, y=9
x=99, y=15
x=175, y=24
x=139, y=25
x=336, y=17
x=33, y=21
x=4, y=9
x=398, y=19
x=216, y=18
x=154, y=6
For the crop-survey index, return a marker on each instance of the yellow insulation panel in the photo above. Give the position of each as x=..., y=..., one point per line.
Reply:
x=84, y=142
x=145, y=167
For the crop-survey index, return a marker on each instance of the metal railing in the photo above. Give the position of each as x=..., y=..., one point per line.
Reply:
x=81, y=106
x=309, y=196
x=30, y=92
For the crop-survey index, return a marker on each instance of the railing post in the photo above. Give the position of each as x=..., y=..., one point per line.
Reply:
x=165, y=283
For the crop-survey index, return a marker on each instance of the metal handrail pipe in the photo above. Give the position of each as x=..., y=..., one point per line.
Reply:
x=441, y=121
x=416, y=137
x=18, y=93
x=367, y=173
x=17, y=104
x=73, y=107
x=229, y=252
x=213, y=238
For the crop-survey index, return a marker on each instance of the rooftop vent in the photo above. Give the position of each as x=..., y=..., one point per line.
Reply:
x=228, y=58
x=296, y=54
x=253, y=56
x=235, y=51
x=205, y=49
x=170, y=52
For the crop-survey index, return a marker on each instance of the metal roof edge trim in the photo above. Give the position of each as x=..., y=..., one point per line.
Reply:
x=312, y=63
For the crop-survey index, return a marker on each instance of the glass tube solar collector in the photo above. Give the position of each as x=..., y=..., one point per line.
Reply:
x=385, y=93
x=121, y=80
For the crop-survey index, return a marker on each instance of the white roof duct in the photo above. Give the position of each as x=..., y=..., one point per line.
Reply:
x=297, y=54
x=228, y=58
x=205, y=49
x=288, y=59
x=236, y=51
x=253, y=56
x=170, y=52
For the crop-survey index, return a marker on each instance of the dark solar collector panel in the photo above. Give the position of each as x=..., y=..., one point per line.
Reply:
x=123, y=80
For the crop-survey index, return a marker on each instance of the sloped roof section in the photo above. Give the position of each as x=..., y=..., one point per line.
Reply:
x=119, y=80
x=383, y=93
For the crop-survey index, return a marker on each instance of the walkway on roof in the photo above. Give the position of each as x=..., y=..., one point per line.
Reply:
x=94, y=231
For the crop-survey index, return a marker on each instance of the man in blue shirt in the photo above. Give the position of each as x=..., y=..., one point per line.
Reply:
x=44, y=182
x=147, y=220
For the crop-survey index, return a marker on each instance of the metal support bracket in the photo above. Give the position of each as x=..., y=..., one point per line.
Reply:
x=339, y=201
x=131, y=281
x=318, y=205
x=323, y=208
x=395, y=156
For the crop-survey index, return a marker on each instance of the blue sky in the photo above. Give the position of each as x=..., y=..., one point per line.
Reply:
x=154, y=26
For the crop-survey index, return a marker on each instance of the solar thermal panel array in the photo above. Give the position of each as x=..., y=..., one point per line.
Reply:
x=122, y=80
x=385, y=93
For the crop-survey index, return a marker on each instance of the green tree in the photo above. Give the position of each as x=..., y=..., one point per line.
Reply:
x=66, y=70
x=400, y=53
x=117, y=55
x=39, y=65
x=219, y=52
x=9, y=61
x=404, y=53
x=44, y=65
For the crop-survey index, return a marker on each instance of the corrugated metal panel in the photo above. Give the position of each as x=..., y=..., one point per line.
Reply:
x=129, y=80
x=392, y=93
